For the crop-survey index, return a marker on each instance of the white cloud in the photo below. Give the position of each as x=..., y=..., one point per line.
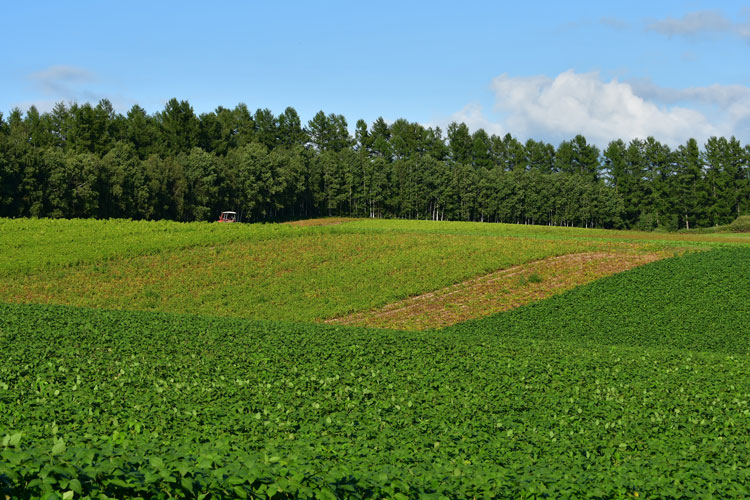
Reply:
x=614, y=23
x=730, y=103
x=723, y=96
x=472, y=116
x=572, y=103
x=70, y=84
x=62, y=81
x=43, y=106
x=694, y=24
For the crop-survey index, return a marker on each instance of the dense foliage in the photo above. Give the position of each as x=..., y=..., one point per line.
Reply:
x=156, y=405
x=740, y=225
x=89, y=161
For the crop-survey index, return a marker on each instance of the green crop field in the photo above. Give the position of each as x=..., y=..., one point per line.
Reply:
x=636, y=385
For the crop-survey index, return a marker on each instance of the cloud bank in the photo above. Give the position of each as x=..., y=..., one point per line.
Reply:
x=62, y=81
x=554, y=109
x=702, y=23
x=69, y=84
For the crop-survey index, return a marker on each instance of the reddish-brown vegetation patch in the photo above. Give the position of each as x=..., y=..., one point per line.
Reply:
x=498, y=291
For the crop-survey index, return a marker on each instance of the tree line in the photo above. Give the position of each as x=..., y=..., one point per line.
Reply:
x=81, y=160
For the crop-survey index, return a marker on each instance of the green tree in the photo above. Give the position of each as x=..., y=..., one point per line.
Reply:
x=37, y=130
x=362, y=138
x=689, y=192
x=291, y=166
x=578, y=157
x=74, y=180
x=200, y=171
x=60, y=123
x=334, y=192
x=179, y=127
x=125, y=192
x=381, y=139
x=328, y=133
x=254, y=179
x=166, y=187
x=266, y=128
x=508, y=153
x=539, y=156
x=460, y=142
x=141, y=131
x=290, y=131
x=659, y=180
x=481, y=150
x=88, y=130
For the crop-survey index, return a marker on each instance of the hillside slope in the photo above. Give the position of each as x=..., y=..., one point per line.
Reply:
x=580, y=395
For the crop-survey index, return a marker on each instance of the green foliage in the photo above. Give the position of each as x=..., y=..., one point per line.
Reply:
x=740, y=225
x=698, y=301
x=89, y=161
x=634, y=384
x=32, y=245
x=535, y=278
x=637, y=383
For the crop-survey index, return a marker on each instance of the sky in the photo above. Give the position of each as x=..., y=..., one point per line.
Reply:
x=542, y=70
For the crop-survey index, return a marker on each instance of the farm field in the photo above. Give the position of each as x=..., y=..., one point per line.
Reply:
x=30, y=245
x=635, y=384
x=280, y=271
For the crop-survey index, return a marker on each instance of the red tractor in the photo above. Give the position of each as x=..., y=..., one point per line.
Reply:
x=228, y=217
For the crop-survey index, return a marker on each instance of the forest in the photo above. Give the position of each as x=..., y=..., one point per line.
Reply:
x=89, y=161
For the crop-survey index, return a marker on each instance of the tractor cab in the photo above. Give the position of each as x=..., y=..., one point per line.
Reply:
x=228, y=217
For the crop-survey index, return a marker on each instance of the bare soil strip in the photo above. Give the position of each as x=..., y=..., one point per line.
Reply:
x=499, y=291
x=328, y=221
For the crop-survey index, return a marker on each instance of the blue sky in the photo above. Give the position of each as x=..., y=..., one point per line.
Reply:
x=542, y=70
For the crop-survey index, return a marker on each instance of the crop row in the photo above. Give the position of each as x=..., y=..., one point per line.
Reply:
x=102, y=470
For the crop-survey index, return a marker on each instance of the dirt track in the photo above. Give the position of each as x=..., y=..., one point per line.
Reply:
x=499, y=291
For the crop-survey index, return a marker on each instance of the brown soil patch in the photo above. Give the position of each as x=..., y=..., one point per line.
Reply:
x=499, y=291
x=328, y=221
